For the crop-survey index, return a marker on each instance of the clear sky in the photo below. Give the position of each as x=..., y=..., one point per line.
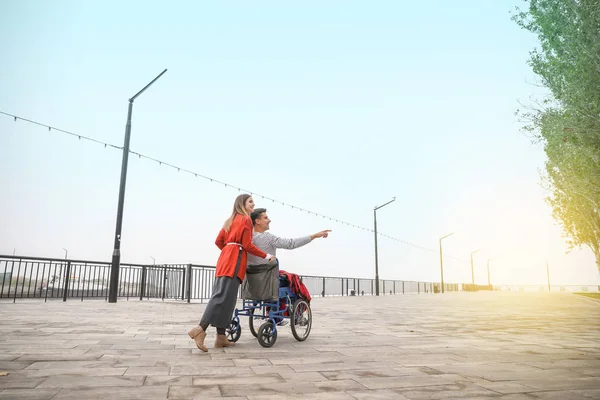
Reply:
x=334, y=107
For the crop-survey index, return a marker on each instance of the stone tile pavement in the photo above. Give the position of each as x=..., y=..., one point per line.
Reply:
x=505, y=346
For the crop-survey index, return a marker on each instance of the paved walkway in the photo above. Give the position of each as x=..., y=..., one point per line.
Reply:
x=507, y=346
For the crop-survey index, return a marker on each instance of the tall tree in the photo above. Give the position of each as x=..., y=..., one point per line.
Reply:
x=568, y=123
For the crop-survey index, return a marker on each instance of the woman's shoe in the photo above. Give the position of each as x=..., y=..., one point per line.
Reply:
x=221, y=341
x=198, y=334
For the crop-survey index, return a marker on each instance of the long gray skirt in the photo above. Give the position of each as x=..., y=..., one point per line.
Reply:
x=219, y=309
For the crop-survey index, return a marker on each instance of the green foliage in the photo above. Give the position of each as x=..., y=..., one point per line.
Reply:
x=568, y=122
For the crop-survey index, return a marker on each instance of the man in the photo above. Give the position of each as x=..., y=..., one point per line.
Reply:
x=265, y=240
x=264, y=289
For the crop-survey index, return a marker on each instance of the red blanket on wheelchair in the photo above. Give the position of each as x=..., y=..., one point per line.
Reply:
x=295, y=284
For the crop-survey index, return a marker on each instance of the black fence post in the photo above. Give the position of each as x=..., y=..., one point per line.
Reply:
x=143, y=283
x=323, y=292
x=17, y=281
x=189, y=283
x=183, y=284
x=67, y=275
x=164, y=282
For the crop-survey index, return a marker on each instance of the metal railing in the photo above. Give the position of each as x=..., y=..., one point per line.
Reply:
x=337, y=286
x=50, y=278
x=546, y=288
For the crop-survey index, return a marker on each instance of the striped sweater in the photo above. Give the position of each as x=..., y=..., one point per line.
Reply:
x=270, y=243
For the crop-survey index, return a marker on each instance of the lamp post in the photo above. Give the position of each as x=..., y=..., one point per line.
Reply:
x=548, y=275
x=376, y=257
x=488, y=270
x=472, y=270
x=153, y=260
x=442, y=259
x=66, y=252
x=116, y=256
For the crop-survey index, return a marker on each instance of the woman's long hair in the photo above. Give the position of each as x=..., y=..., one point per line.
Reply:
x=239, y=207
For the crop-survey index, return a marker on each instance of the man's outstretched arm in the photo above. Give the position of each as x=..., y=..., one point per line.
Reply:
x=290, y=244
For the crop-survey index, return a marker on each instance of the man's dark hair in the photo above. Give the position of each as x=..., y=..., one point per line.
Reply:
x=256, y=214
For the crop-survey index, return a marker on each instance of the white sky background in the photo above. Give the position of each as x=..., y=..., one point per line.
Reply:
x=334, y=111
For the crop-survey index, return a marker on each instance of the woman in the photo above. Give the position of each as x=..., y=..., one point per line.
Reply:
x=235, y=242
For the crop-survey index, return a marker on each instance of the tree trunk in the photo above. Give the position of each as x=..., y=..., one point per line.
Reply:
x=597, y=255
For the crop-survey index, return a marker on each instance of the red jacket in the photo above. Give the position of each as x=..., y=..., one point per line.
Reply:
x=239, y=232
x=296, y=285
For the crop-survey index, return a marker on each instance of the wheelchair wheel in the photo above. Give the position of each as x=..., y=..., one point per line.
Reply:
x=267, y=335
x=301, y=320
x=233, y=331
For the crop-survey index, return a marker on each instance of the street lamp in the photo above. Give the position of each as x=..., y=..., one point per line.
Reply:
x=376, y=258
x=153, y=260
x=441, y=259
x=116, y=256
x=548, y=275
x=488, y=269
x=472, y=271
x=66, y=252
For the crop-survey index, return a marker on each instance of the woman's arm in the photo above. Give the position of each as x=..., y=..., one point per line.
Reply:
x=220, y=242
x=247, y=240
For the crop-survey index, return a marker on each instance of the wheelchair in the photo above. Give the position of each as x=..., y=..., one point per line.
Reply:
x=268, y=301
